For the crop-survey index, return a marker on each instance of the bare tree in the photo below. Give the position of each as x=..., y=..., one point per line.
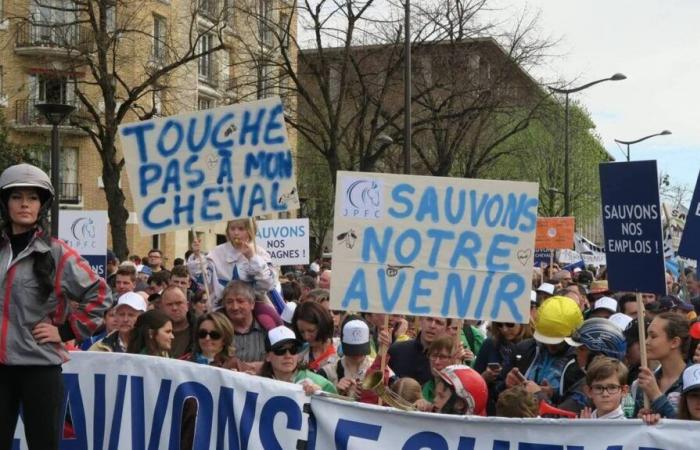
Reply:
x=133, y=59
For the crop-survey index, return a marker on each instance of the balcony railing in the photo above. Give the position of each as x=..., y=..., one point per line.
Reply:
x=70, y=193
x=54, y=36
x=27, y=114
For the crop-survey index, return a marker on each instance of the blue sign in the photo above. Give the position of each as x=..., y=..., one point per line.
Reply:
x=543, y=256
x=690, y=241
x=632, y=226
x=98, y=264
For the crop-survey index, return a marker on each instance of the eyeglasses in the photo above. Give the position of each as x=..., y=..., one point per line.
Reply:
x=610, y=388
x=505, y=325
x=281, y=351
x=214, y=335
x=437, y=356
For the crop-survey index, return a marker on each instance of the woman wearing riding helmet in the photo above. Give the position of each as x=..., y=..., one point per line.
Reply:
x=460, y=390
x=40, y=275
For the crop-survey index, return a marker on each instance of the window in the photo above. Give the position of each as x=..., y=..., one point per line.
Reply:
x=69, y=190
x=53, y=89
x=266, y=21
x=228, y=13
x=158, y=102
x=2, y=81
x=208, y=9
x=159, y=36
x=206, y=43
x=204, y=103
x=285, y=29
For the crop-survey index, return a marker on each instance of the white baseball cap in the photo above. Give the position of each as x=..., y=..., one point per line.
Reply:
x=278, y=336
x=691, y=378
x=133, y=300
x=315, y=267
x=621, y=320
x=288, y=312
x=546, y=287
x=355, y=338
x=533, y=297
x=608, y=303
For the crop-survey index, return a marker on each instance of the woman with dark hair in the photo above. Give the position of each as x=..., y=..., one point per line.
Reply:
x=152, y=334
x=667, y=342
x=40, y=276
x=213, y=342
x=282, y=362
x=314, y=326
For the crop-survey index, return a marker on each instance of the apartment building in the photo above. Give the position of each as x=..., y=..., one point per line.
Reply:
x=47, y=55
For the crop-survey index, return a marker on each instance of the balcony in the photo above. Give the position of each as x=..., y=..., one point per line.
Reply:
x=55, y=39
x=28, y=118
x=70, y=193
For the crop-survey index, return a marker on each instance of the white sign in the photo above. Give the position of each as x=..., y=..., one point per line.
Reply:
x=210, y=166
x=287, y=241
x=433, y=246
x=125, y=401
x=86, y=231
x=356, y=426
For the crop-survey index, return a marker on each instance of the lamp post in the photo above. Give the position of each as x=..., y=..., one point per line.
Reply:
x=55, y=114
x=566, y=92
x=628, y=143
x=407, y=90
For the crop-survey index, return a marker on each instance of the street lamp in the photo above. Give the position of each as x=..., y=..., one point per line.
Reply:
x=628, y=143
x=55, y=114
x=566, y=92
x=407, y=90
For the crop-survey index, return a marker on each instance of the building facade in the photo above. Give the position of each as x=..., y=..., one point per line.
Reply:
x=49, y=54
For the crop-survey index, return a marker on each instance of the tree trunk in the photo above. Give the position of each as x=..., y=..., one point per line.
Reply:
x=116, y=210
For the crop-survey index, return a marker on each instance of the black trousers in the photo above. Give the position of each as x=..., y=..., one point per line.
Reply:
x=38, y=390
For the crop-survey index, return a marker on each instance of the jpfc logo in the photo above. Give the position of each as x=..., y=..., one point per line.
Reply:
x=362, y=199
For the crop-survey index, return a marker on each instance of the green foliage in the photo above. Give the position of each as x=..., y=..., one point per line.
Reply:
x=317, y=193
x=11, y=153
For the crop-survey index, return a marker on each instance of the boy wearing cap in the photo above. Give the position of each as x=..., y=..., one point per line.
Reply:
x=348, y=372
x=129, y=307
x=282, y=362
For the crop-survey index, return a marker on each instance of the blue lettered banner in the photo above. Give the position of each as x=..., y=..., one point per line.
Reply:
x=632, y=226
x=433, y=246
x=124, y=401
x=353, y=426
x=210, y=166
x=690, y=241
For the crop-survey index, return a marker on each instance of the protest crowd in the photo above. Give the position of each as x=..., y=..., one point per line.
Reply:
x=578, y=357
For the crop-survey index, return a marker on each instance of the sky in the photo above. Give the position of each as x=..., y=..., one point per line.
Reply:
x=656, y=44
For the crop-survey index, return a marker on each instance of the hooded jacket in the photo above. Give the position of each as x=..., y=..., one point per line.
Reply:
x=23, y=305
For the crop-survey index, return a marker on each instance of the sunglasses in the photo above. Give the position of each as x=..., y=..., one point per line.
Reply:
x=281, y=351
x=201, y=334
x=505, y=325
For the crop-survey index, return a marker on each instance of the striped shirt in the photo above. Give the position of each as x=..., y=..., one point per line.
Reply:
x=250, y=346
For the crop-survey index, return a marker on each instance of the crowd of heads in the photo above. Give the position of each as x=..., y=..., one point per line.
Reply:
x=580, y=354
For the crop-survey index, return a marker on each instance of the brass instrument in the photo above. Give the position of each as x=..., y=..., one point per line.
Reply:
x=374, y=381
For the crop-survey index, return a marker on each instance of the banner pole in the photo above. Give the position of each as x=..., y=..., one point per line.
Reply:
x=642, y=339
x=382, y=352
x=550, y=275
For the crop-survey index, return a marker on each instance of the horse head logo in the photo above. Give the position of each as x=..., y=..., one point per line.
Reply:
x=363, y=198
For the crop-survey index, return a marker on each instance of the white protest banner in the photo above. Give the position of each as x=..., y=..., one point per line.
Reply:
x=432, y=246
x=286, y=240
x=86, y=231
x=354, y=426
x=124, y=401
x=210, y=166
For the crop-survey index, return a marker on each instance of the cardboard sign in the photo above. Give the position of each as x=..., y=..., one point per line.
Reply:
x=210, y=166
x=287, y=241
x=433, y=246
x=86, y=231
x=632, y=226
x=555, y=232
x=690, y=241
x=543, y=257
